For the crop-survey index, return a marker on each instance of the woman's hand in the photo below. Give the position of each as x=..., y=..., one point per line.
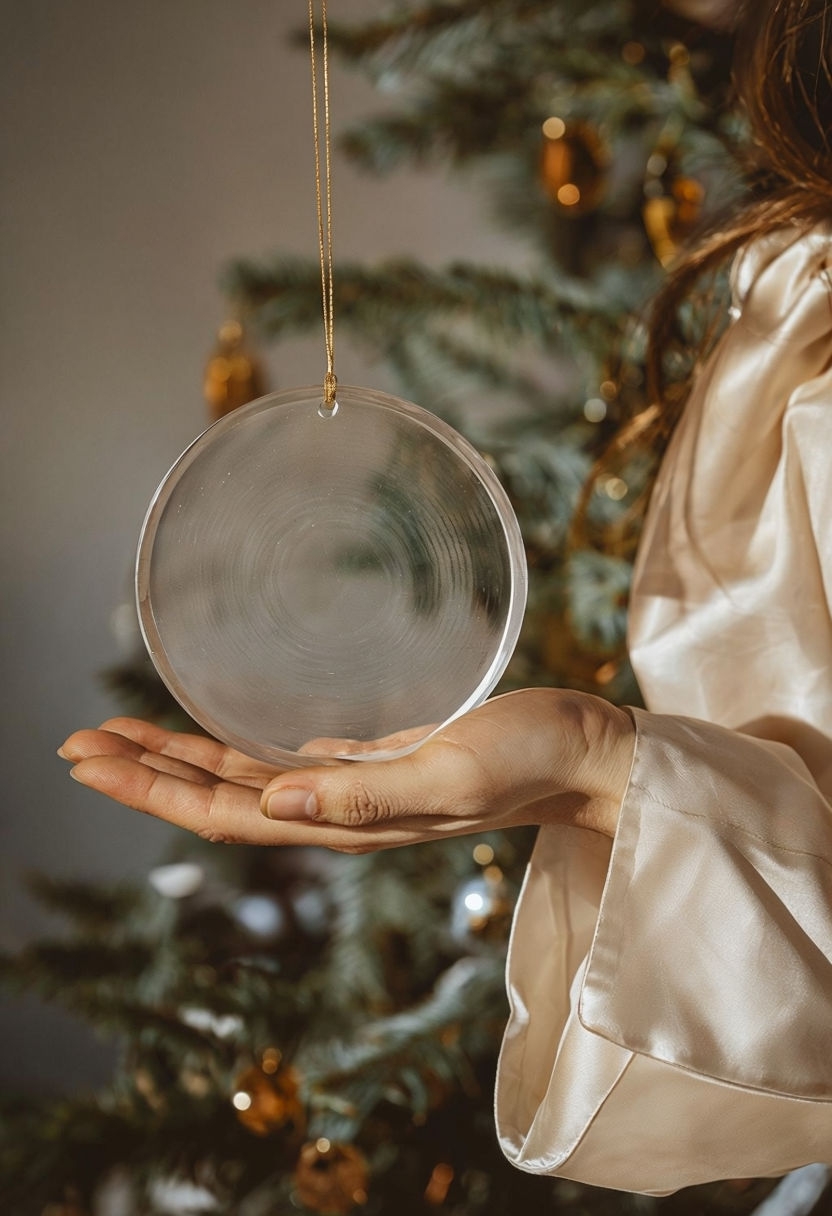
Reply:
x=530, y=757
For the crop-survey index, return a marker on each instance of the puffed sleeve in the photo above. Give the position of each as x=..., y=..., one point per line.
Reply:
x=671, y=998
x=671, y=991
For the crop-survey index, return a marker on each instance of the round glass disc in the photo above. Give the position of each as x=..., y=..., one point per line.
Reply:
x=355, y=574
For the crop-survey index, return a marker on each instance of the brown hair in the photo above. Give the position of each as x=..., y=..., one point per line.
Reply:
x=783, y=80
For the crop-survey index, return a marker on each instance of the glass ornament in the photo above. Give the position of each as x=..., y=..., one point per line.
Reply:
x=307, y=574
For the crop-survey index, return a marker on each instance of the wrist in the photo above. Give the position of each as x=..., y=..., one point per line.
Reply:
x=592, y=745
x=606, y=768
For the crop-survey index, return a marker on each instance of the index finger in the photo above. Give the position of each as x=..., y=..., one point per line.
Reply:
x=200, y=750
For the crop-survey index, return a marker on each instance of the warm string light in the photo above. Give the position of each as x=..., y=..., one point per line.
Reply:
x=615, y=488
x=270, y=1060
x=483, y=854
x=633, y=53
x=323, y=198
x=439, y=1184
x=554, y=128
x=595, y=409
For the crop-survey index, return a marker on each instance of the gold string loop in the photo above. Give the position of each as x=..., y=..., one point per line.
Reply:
x=323, y=196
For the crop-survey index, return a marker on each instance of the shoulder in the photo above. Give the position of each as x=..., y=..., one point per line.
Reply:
x=782, y=284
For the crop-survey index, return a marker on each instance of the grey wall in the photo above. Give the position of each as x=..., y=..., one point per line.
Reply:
x=143, y=145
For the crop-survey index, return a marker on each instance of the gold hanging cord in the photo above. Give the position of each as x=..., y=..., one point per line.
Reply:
x=323, y=195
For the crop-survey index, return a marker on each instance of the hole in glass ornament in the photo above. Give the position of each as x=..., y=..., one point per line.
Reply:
x=328, y=411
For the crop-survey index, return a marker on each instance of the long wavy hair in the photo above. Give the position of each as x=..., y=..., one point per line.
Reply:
x=783, y=81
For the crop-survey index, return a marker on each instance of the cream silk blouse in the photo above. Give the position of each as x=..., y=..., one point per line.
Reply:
x=671, y=990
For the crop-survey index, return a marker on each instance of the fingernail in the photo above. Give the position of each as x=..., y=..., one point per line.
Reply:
x=291, y=803
x=62, y=754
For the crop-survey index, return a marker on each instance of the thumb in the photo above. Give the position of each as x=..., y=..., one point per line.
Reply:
x=359, y=793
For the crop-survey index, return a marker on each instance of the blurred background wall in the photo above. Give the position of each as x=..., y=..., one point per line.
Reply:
x=143, y=146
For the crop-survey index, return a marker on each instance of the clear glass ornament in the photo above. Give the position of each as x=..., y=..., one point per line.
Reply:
x=352, y=573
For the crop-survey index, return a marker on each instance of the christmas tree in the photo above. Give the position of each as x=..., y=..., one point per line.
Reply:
x=308, y=1032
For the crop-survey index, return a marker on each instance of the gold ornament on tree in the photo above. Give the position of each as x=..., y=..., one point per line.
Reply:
x=573, y=165
x=234, y=375
x=266, y=1097
x=673, y=199
x=331, y=1177
x=672, y=205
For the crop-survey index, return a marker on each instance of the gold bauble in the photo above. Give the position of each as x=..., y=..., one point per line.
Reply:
x=268, y=1101
x=672, y=209
x=233, y=375
x=331, y=1177
x=573, y=165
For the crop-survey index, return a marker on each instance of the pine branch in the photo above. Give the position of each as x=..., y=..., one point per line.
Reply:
x=412, y=358
x=384, y=951
x=92, y=909
x=461, y=360
x=546, y=475
x=407, y=37
x=599, y=587
x=71, y=972
x=373, y=911
x=471, y=35
x=388, y=1059
x=103, y=984
x=51, y=1146
x=374, y=304
x=457, y=121
x=445, y=368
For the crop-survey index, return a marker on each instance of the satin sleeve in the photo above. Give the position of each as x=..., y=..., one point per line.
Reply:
x=671, y=991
